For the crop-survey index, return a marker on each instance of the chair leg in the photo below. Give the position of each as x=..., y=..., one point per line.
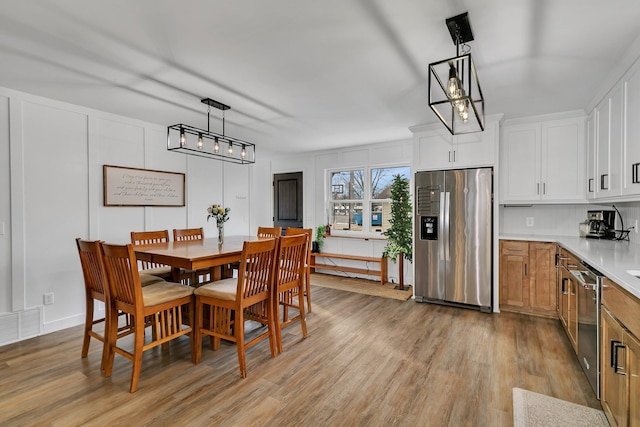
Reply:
x=88, y=325
x=272, y=314
x=277, y=324
x=137, y=354
x=303, y=321
x=196, y=344
x=106, y=336
x=239, y=334
x=111, y=334
x=307, y=284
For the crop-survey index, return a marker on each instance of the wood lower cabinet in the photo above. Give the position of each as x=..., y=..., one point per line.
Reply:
x=633, y=371
x=514, y=274
x=620, y=369
x=567, y=289
x=543, y=276
x=528, y=277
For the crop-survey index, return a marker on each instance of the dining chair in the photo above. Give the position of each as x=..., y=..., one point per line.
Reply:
x=274, y=232
x=96, y=288
x=269, y=231
x=160, y=305
x=188, y=234
x=147, y=267
x=292, y=231
x=196, y=277
x=228, y=298
x=289, y=283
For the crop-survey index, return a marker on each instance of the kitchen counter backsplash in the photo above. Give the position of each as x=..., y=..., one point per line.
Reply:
x=612, y=258
x=561, y=220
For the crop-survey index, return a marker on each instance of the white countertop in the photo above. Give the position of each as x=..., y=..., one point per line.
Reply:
x=611, y=257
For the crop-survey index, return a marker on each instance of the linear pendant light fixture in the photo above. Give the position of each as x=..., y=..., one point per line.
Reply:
x=454, y=91
x=187, y=139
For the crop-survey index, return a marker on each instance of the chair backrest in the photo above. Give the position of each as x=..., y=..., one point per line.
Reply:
x=123, y=278
x=269, y=231
x=188, y=234
x=292, y=253
x=95, y=278
x=148, y=237
x=292, y=231
x=256, y=271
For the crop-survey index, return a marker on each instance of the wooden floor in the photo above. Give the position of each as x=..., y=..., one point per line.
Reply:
x=367, y=361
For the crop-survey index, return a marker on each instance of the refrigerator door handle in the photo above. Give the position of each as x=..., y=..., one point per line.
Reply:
x=441, y=224
x=447, y=223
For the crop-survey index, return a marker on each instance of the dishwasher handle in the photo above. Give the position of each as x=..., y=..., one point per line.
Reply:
x=578, y=274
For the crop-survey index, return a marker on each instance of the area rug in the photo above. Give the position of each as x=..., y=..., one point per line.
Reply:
x=533, y=409
x=361, y=286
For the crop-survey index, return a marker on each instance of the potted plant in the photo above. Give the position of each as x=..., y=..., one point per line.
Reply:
x=400, y=232
x=320, y=232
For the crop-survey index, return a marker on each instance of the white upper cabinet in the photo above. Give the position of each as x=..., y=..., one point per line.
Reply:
x=631, y=142
x=563, y=160
x=591, y=156
x=543, y=161
x=435, y=148
x=608, y=115
x=520, y=164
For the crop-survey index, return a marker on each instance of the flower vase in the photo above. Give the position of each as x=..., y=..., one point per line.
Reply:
x=220, y=233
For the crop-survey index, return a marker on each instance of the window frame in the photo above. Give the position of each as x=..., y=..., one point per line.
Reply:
x=366, y=201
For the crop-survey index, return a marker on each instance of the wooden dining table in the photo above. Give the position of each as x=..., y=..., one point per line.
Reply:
x=194, y=254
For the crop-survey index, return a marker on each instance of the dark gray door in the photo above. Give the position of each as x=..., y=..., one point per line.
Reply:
x=287, y=200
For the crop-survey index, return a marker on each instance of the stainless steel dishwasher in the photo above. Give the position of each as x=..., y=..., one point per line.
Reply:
x=590, y=282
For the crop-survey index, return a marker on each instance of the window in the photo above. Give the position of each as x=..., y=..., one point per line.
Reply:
x=360, y=199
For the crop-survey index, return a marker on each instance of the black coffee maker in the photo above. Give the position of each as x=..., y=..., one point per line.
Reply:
x=601, y=224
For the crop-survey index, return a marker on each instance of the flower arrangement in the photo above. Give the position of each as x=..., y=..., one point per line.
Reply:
x=220, y=214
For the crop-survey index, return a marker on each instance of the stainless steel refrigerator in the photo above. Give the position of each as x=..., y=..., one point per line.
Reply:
x=453, y=237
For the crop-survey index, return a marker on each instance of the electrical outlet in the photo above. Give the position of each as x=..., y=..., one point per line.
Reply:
x=529, y=221
x=48, y=298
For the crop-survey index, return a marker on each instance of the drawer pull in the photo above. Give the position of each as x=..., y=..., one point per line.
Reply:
x=602, y=179
x=615, y=345
x=634, y=173
x=591, y=181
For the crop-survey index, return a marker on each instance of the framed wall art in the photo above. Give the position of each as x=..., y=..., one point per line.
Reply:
x=124, y=186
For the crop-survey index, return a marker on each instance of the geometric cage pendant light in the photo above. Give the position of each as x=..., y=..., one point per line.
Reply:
x=187, y=139
x=454, y=91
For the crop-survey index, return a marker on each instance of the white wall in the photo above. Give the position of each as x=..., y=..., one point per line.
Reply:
x=5, y=212
x=51, y=159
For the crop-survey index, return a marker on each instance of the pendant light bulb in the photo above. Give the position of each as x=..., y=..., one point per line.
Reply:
x=243, y=153
x=216, y=146
x=200, y=143
x=454, y=86
x=230, y=148
x=183, y=138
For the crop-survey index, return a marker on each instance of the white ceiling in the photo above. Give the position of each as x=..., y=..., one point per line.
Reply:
x=304, y=75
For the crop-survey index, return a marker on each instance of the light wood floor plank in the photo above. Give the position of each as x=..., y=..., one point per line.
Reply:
x=367, y=361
